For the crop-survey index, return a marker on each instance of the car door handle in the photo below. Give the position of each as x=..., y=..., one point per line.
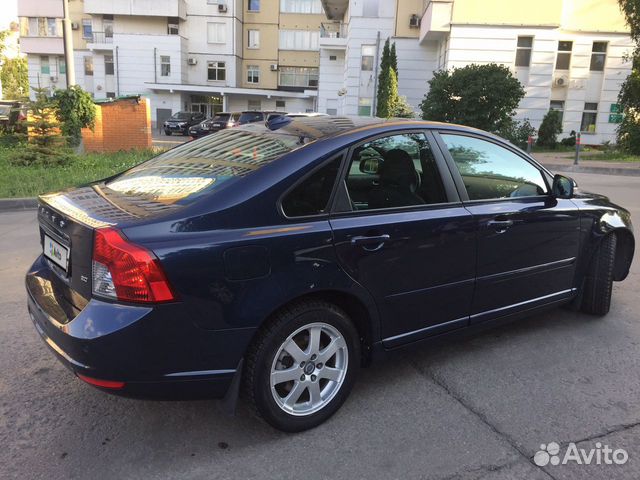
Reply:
x=378, y=240
x=500, y=225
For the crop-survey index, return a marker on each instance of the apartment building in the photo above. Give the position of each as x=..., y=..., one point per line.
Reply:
x=199, y=55
x=568, y=54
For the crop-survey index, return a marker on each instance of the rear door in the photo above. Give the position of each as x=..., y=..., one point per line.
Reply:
x=404, y=235
x=527, y=239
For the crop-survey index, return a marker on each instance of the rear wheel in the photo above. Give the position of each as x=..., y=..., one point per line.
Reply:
x=596, y=297
x=302, y=366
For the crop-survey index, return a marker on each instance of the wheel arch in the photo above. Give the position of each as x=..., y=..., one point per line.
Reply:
x=625, y=248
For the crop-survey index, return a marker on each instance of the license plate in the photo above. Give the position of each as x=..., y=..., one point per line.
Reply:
x=217, y=125
x=58, y=254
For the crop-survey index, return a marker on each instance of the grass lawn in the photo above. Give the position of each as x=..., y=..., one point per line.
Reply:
x=18, y=181
x=611, y=156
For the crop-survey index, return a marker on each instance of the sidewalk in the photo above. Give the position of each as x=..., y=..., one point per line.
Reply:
x=563, y=162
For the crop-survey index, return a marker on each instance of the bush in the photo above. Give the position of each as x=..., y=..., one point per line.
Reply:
x=75, y=111
x=402, y=109
x=549, y=130
x=481, y=96
x=629, y=134
x=39, y=155
x=517, y=133
x=569, y=141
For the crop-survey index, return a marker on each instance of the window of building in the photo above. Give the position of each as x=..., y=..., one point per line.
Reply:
x=523, y=51
x=173, y=26
x=51, y=27
x=254, y=39
x=589, y=117
x=45, y=69
x=281, y=104
x=598, y=56
x=108, y=65
x=216, y=71
x=364, y=107
x=87, y=29
x=45, y=27
x=368, y=55
x=298, y=77
x=111, y=94
x=254, y=105
x=393, y=172
x=311, y=196
x=558, y=106
x=563, y=60
x=216, y=32
x=300, y=6
x=253, y=74
x=253, y=5
x=370, y=8
x=88, y=65
x=299, y=40
x=62, y=66
x=107, y=25
x=332, y=58
x=490, y=171
x=332, y=111
x=165, y=65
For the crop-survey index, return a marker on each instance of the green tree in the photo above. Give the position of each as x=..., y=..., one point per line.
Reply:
x=75, y=111
x=403, y=109
x=393, y=58
x=549, y=130
x=481, y=96
x=382, y=97
x=629, y=97
x=14, y=76
x=42, y=124
x=516, y=132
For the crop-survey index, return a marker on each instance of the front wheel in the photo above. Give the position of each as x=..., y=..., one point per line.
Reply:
x=302, y=366
x=596, y=297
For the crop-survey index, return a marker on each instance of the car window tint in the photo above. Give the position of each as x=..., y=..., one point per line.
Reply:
x=311, y=197
x=490, y=171
x=394, y=171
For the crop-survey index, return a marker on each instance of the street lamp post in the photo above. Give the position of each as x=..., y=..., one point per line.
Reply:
x=68, y=45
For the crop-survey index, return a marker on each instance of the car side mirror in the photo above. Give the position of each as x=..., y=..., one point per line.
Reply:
x=562, y=187
x=370, y=166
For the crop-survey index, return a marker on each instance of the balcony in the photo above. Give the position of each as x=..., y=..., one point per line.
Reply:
x=333, y=36
x=100, y=41
x=42, y=45
x=40, y=8
x=436, y=20
x=146, y=8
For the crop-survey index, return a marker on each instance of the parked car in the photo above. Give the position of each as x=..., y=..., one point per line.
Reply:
x=227, y=120
x=13, y=116
x=306, y=114
x=282, y=260
x=181, y=121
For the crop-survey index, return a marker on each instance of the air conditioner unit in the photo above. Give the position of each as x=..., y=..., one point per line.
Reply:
x=342, y=92
x=75, y=25
x=192, y=61
x=561, y=81
x=222, y=8
x=53, y=79
x=274, y=67
x=414, y=21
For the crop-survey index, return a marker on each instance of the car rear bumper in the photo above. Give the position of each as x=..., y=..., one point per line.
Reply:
x=156, y=351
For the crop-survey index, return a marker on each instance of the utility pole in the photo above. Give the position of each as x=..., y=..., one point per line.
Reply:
x=68, y=44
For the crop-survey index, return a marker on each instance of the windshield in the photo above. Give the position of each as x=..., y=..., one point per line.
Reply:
x=181, y=116
x=222, y=117
x=180, y=174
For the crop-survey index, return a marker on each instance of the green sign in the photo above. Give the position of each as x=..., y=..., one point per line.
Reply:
x=615, y=118
x=615, y=108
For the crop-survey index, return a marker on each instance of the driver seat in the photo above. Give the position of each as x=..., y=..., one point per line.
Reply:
x=399, y=181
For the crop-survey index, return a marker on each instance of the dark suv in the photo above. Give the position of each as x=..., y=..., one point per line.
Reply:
x=283, y=257
x=227, y=120
x=181, y=121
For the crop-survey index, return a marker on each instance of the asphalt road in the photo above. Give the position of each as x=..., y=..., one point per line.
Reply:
x=473, y=408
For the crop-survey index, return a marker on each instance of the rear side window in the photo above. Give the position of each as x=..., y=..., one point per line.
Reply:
x=311, y=196
x=490, y=171
x=204, y=165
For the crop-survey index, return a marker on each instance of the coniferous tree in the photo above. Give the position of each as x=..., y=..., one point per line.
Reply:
x=394, y=58
x=382, y=100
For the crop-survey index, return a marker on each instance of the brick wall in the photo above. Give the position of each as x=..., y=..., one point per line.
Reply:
x=123, y=124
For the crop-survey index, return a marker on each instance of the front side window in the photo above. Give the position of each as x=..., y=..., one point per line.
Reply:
x=253, y=74
x=216, y=71
x=395, y=171
x=88, y=65
x=589, y=117
x=165, y=65
x=490, y=171
x=563, y=60
x=108, y=65
x=523, y=51
x=368, y=53
x=311, y=196
x=598, y=56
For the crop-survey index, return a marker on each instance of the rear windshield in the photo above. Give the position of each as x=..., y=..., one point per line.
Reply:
x=181, y=116
x=182, y=174
x=249, y=117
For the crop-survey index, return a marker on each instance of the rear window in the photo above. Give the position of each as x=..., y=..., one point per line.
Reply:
x=183, y=173
x=249, y=117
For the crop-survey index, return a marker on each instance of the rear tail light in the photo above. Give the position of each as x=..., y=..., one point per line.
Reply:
x=127, y=272
x=231, y=124
x=114, y=385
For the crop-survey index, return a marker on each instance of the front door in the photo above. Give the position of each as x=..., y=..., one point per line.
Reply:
x=406, y=237
x=527, y=239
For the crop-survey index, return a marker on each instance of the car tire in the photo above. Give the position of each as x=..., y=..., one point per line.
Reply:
x=598, y=285
x=167, y=132
x=308, y=391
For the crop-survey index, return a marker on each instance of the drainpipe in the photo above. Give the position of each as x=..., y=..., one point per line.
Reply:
x=375, y=78
x=155, y=66
x=117, y=74
x=68, y=44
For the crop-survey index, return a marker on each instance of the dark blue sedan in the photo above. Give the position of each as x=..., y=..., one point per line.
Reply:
x=279, y=258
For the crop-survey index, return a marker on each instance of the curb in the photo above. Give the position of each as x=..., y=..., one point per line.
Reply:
x=18, y=204
x=634, y=172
